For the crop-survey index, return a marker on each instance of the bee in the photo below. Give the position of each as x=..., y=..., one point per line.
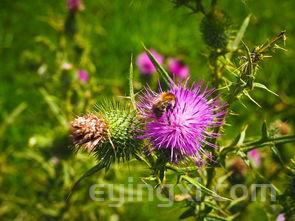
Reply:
x=164, y=102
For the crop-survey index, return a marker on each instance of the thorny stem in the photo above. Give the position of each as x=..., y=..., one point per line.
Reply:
x=247, y=72
x=269, y=44
x=215, y=69
x=181, y=170
x=253, y=59
x=246, y=147
x=238, y=88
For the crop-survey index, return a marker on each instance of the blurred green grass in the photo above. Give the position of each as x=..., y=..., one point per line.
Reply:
x=114, y=30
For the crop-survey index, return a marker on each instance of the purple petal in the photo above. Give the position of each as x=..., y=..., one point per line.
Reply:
x=255, y=157
x=185, y=128
x=178, y=68
x=144, y=63
x=83, y=76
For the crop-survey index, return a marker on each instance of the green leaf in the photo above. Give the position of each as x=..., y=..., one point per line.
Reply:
x=88, y=173
x=203, y=188
x=275, y=150
x=142, y=158
x=266, y=180
x=215, y=207
x=240, y=34
x=279, y=47
x=54, y=108
x=217, y=218
x=187, y=213
x=239, y=140
x=264, y=131
x=149, y=178
x=242, y=136
x=236, y=202
x=262, y=86
x=131, y=88
x=255, y=212
x=162, y=174
x=244, y=158
x=53, y=212
x=245, y=92
x=159, y=68
x=37, y=158
x=250, y=64
x=12, y=117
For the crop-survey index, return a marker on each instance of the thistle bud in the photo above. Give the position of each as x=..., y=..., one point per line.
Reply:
x=110, y=134
x=215, y=29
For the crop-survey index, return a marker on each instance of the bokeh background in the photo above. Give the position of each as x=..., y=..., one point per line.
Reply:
x=40, y=91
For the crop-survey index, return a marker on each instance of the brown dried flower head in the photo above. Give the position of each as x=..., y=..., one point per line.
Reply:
x=89, y=131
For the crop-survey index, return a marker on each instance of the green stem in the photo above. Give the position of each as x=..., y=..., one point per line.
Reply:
x=213, y=4
x=181, y=170
x=200, y=7
x=246, y=147
x=210, y=176
x=269, y=44
x=279, y=140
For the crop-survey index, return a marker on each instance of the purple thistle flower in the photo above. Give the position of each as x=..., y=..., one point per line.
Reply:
x=144, y=63
x=83, y=76
x=184, y=126
x=178, y=68
x=255, y=157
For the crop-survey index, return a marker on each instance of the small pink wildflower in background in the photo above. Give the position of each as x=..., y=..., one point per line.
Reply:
x=75, y=5
x=83, y=76
x=255, y=157
x=178, y=68
x=144, y=63
x=281, y=217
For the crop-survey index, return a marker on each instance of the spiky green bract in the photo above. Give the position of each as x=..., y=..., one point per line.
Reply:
x=110, y=133
x=215, y=29
x=123, y=127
